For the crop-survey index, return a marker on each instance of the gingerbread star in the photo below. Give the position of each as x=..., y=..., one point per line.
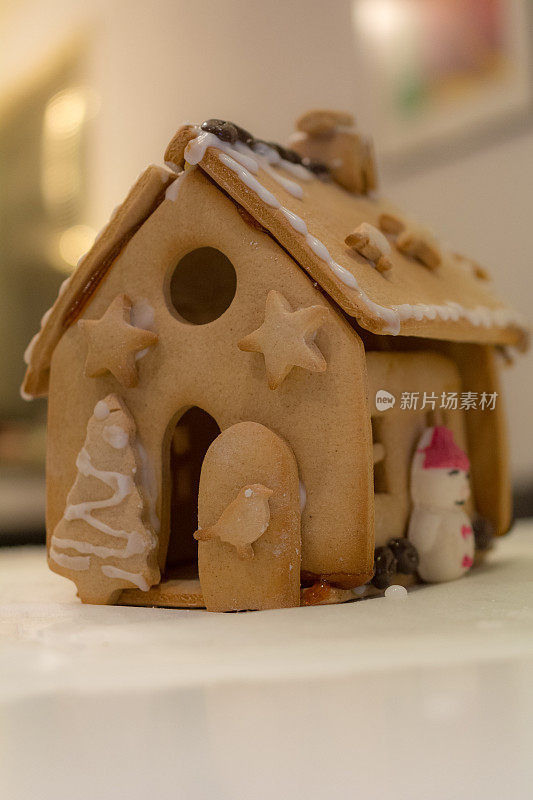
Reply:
x=286, y=339
x=412, y=239
x=112, y=343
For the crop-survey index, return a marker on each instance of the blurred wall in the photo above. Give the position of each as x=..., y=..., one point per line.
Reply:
x=157, y=64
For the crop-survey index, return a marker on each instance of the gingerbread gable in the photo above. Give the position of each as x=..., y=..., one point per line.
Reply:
x=333, y=234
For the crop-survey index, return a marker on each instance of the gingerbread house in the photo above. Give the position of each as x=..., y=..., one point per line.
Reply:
x=239, y=369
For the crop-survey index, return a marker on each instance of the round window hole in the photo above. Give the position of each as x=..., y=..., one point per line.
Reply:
x=202, y=285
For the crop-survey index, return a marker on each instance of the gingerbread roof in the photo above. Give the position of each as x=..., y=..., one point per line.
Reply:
x=311, y=217
x=392, y=276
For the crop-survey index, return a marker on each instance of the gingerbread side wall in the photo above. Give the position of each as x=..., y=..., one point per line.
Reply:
x=486, y=431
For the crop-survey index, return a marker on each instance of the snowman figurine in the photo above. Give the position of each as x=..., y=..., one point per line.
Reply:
x=439, y=527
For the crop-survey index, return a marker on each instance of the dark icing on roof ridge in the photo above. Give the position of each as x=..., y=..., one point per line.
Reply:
x=231, y=133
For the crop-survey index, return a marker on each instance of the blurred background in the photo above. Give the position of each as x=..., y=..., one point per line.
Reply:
x=92, y=90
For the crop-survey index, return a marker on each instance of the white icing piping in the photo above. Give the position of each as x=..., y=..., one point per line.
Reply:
x=28, y=353
x=394, y=315
x=76, y=563
x=101, y=551
x=266, y=157
x=297, y=222
x=142, y=315
x=121, y=574
x=195, y=150
x=290, y=186
x=262, y=156
x=116, y=436
x=101, y=410
x=262, y=152
x=173, y=189
x=122, y=486
x=249, y=180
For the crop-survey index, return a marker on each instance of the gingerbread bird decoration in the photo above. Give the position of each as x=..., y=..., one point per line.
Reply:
x=242, y=522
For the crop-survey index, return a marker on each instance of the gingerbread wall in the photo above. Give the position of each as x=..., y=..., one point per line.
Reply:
x=324, y=417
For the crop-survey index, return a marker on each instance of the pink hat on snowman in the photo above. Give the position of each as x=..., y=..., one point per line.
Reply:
x=443, y=453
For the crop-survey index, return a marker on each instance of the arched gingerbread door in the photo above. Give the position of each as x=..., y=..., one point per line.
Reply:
x=249, y=521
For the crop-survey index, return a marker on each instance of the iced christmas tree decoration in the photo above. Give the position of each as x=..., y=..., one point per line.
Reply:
x=102, y=542
x=439, y=527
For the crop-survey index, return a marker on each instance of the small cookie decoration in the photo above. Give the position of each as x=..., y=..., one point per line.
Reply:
x=102, y=542
x=412, y=239
x=472, y=266
x=242, y=522
x=286, y=339
x=112, y=343
x=249, y=459
x=323, y=121
x=329, y=137
x=369, y=242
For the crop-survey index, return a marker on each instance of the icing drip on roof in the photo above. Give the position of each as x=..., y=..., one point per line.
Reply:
x=262, y=156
